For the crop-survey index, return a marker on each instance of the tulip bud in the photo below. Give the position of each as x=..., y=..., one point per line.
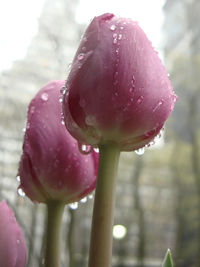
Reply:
x=51, y=166
x=12, y=245
x=118, y=88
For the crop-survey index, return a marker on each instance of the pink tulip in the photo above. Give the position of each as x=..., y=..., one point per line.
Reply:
x=12, y=245
x=118, y=88
x=51, y=166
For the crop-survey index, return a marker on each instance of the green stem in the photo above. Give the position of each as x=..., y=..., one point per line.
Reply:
x=102, y=222
x=52, y=251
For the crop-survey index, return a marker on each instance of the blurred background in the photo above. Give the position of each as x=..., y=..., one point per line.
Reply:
x=158, y=193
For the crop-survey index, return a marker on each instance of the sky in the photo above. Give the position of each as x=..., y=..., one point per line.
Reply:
x=19, y=21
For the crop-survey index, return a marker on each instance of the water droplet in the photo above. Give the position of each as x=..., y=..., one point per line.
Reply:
x=84, y=149
x=131, y=90
x=20, y=192
x=44, y=96
x=116, y=94
x=23, y=130
x=96, y=150
x=117, y=50
x=32, y=109
x=140, y=99
x=121, y=27
x=120, y=36
x=158, y=105
x=63, y=90
x=73, y=206
x=82, y=102
x=91, y=196
x=114, y=35
x=140, y=151
x=80, y=56
x=83, y=48
x=90, y=120
x=115, y=41
x=112, y=27
x=18, y=178
x=60, y=99
x=83, y=200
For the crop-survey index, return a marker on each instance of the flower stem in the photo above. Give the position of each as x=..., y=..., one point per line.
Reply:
x=102, y=222
x=54, y=217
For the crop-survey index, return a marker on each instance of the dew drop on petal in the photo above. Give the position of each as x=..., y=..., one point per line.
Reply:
x=90, y=120
x=91, y=196
x=60, y=99
x=112, y=27
x=63, y=90
x=83, y=200
x=140, y=99
x=82, y=102
x=18, y=178
x=20, y=192
x=44, y=96
x=84, y=149
x=158, y=105
x=140, y=151
x=80, y=56
x=24, y=130
x=73, y=206
x=96, y=149
x=120, y=36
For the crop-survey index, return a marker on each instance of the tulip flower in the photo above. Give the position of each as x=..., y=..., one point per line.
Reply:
x=51, y=166
x=52, y=170
x=118, y=98
x=118, y=88
x=12, y=245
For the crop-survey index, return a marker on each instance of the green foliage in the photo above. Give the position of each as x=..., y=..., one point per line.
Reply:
x=167, y=260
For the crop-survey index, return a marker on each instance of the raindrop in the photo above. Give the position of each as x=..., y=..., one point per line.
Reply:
x=83, y=48
x=158, y=105
x=82, y=103
x=84, y=149
x=115, y=41
x=60, y=99
x=44, y=96
x=140, y=151
x=73, y=206
x=117, y=50
x=140, y=99
x=90, y=120
x=131, y=90
x=24, y=130
x=83, y=200
x=20, y=192
x=120, y=36
x=91, y=196
x=80, y=56
x=96, y=150
x=63, y=90
x=18, y=178
x=112, y=27
x=32, y=109
x=121, y=27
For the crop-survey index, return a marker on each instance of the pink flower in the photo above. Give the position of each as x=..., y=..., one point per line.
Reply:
x=118, y=88
x=12, y=246
x=51, y=166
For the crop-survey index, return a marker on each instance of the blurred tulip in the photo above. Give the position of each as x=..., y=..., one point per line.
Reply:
x=51, y=166
x=117, y=89
x=12, y=246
